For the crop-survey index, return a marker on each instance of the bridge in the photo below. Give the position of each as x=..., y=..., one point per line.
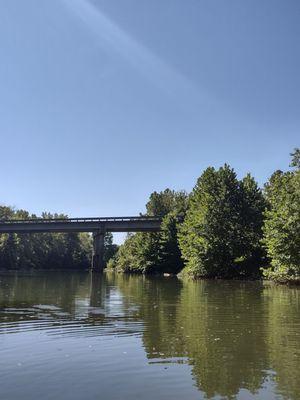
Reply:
x=97, y=226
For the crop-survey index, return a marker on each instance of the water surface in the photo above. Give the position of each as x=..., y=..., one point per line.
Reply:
x=68, y=335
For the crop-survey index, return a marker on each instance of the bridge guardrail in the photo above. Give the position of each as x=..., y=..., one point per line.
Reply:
x=89, y=219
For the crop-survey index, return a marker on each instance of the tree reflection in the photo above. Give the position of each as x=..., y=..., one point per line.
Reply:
x=20, y=291
x=231, y=333
x=224, y=330
x=284, y=338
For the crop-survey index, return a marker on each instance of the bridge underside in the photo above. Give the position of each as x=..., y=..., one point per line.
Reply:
x=81, y=226
x=97, y=226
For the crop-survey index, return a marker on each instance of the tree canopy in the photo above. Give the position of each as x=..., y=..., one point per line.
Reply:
x=221, y=234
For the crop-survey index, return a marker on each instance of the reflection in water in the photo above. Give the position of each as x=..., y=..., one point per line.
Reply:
x=64, y=302
x=237, y=339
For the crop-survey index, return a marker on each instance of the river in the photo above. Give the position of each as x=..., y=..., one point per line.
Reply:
x=73, y=335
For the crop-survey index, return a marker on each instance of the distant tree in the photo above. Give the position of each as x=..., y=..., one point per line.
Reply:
x=8, y=251
x=128, y=257
x=110, y=249
x=43, y=250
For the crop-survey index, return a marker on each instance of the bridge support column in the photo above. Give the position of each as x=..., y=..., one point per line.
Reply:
x=98, y=251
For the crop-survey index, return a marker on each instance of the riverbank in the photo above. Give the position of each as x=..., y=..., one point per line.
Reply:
x=226, y=228
x=184, y=276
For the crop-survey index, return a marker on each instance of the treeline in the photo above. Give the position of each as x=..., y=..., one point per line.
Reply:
x=225, y=228
x=46, y=250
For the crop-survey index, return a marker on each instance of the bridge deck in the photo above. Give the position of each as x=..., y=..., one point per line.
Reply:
x=95, y=224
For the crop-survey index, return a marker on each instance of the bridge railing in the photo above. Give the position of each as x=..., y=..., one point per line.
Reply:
x=83, y=220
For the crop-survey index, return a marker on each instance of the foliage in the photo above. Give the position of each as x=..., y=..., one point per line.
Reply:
x=162, y=203
x=295, y=158
x=282, y=223
x=155, y=252
x=169, y=254
x=110, y=249
x=221, y=235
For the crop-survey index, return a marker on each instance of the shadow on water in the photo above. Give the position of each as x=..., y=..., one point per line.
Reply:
x=237, y=337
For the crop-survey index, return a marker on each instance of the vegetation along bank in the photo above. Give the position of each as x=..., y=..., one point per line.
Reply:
x=225, y=228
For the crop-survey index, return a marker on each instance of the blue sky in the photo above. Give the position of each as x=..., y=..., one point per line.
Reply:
x=104, y=101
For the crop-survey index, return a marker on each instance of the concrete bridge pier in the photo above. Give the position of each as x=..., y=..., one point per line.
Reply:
x=98, y=251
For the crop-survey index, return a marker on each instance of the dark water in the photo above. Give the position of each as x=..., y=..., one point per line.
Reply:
x=77, y=336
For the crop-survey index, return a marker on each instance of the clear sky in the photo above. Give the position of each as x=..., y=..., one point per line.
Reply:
x=104, y=101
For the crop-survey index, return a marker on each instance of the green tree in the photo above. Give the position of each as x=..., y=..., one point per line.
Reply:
x=295, y=158
x=44, y=250
x=164, y=202
x=156, y=252
x=110, y=249
x=282, y=223
x=169, y=254
x=129, y=257
x=222, y=230
x=252, y=218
